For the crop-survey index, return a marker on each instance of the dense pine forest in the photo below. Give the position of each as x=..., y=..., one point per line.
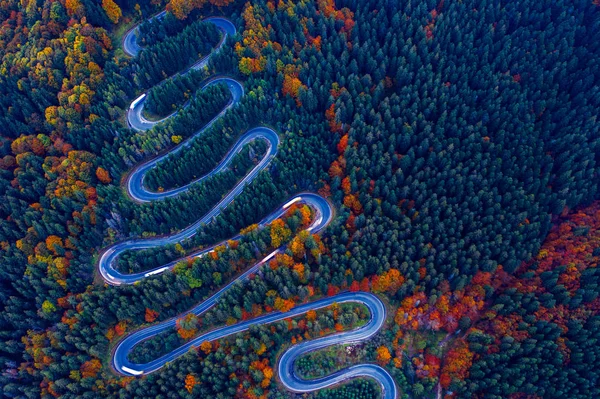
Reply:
x=458, y=142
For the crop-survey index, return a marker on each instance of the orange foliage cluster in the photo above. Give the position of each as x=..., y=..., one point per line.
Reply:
x=85, y=50
x=351, y=201
x=572, y=243
x=343, y=144
x=346, y=185
x=206, y=347
x=319, y=248
x=249, y=229
x=331, y=116
x=113, y=11
x=280, y=233
x=35, y=346
x=363, y=285
x=267, y=371
x=327, y=7
x=305, y=211
x=90, y=368
x=120, y=328
x=428, y=367
x=415, y=312
x=418, y=312
x=457, y=363
x=412, y=311
x=281, y=260
x=291, y=87
x=301, y=331
x=565, y=245
x=383, y=355
x=116, y=331
x=434, y=15
x=150, y=315
x=306, y=215
x=255, y=40
x=103, y=175
x=182, y=8
x=315, y=42
x=190, y=382
x=37, y=144
x=284, y=305
x=338, y=167
x=250, y=392
x=71, y=177
x=65, y=59
x=389, y=282
x=298, y=246
x=74, y=176
x=187, y=326
x=332, y=290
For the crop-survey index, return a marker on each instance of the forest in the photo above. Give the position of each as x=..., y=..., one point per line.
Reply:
x=456, y=141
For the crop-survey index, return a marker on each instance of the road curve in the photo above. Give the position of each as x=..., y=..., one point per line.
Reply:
x=377, y=309
x=135, y=180
x=135, y=113
x=323, y=215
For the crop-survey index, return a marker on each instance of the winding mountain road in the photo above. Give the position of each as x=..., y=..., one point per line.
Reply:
x=135, y=114
x=323, y=215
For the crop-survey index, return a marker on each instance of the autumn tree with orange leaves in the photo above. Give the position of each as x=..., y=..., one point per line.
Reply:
x=150, y=315
x=113, y=11
x=383, y=355
x=182, y=8
x=103, y=175
x=280, y=233
x=187, y=326
x=190, y=382
x=291, y=87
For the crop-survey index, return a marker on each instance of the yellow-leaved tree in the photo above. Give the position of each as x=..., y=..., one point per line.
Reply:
x=113, y=11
